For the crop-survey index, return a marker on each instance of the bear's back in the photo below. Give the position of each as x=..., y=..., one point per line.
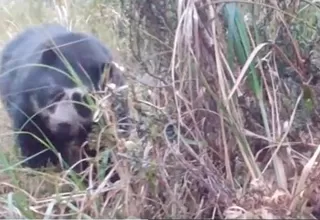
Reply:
x=22, y=50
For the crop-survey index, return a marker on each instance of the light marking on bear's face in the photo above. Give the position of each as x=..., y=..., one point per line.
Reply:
x=66, y=111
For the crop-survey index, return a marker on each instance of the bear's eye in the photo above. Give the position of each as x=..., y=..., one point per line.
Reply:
x=81, y=105
x=76, y=97
x=53, y=99
x=57, y=97
x=55, y=94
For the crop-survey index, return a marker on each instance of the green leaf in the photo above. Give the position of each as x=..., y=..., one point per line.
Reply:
x=239, y=44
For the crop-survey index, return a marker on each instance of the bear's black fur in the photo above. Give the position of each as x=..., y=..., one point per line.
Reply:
x=24, y=85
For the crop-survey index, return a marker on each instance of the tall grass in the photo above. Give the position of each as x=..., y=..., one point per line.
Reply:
x=224, y=103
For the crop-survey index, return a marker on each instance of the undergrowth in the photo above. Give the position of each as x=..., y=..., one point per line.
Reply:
x=223, y=99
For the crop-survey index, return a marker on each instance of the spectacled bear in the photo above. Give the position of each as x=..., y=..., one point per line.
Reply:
x=46, y=73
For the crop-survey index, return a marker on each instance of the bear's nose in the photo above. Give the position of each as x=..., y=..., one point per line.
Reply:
x=64, y=128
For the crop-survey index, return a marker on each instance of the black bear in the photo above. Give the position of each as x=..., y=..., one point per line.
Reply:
x=47, y=72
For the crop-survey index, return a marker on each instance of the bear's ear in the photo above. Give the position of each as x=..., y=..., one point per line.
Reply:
x=49, y=55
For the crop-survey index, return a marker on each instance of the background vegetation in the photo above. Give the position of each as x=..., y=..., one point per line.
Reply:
x=224, y=101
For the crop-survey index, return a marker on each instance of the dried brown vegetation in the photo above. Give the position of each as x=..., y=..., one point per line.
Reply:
x=223, y=98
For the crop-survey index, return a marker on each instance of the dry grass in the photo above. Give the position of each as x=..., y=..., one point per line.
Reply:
x=228, y=128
